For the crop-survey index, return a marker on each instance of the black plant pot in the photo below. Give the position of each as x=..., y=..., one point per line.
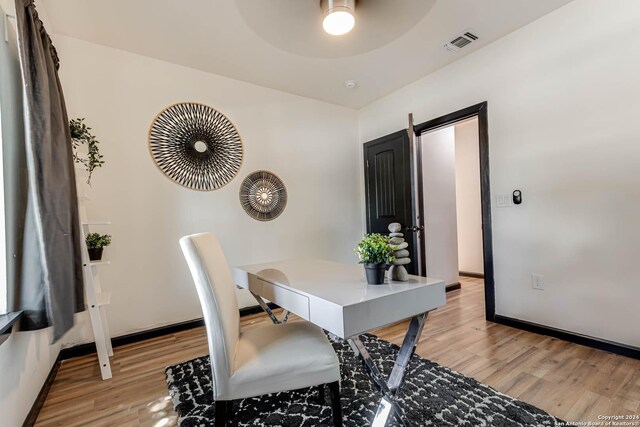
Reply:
x=375, y=273
x=95, y=254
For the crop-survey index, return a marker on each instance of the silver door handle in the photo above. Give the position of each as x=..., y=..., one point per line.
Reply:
x=415, y=229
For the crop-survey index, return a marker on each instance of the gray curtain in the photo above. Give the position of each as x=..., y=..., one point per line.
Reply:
x=50, y=290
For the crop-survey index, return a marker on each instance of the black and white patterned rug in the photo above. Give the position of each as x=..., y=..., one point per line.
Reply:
x=431, y=395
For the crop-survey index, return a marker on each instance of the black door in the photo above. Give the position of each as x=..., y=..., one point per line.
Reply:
x=388, y=188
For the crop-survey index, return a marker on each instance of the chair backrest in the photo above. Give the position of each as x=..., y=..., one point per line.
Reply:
x=217, y=294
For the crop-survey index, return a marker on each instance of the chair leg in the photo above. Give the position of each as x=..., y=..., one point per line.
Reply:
x=334, y=391
x=221, y=413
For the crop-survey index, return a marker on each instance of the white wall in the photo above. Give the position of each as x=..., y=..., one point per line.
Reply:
x=25, y=361
x=309, y=144
x=468, y=201
x=439, y=190
x=562, y=98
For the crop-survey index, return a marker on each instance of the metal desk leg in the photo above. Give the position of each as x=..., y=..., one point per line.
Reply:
x=266, y=308
x=406, y=351
x=389, y=388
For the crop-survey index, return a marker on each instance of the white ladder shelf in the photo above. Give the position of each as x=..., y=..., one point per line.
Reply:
x=97, y=299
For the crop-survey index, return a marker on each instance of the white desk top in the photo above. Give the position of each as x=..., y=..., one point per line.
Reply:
x=342, y=284
x=336, y=296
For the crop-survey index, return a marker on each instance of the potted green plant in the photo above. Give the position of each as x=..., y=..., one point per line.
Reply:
x=95, y=245
x=375, y=252
x=81, y=135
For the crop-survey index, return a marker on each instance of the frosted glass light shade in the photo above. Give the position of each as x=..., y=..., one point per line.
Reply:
x=339, y=22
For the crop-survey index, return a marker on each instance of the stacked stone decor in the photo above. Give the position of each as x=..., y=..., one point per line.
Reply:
x=397, y=271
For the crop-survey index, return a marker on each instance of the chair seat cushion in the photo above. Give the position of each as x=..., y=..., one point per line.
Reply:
x=276, y=358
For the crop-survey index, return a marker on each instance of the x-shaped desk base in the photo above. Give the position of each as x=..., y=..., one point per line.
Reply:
x=389, y=388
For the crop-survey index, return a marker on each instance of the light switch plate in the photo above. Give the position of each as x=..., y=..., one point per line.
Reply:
x=504, y=200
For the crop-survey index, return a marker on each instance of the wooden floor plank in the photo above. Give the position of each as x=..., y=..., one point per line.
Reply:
x=570, y=381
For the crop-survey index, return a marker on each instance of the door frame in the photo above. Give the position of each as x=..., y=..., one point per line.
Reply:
x=479, y=111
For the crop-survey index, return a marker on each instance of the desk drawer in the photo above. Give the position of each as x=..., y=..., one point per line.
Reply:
x=286, y=298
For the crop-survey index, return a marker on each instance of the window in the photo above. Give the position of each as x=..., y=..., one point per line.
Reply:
x=11, y=130
x=3, y=240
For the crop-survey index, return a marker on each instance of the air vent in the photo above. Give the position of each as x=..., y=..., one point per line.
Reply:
x=461, y=40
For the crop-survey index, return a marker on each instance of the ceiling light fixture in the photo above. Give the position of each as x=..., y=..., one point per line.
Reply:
x=339, y=16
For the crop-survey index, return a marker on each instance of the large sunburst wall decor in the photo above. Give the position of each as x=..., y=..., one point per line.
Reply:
x=263, y=195
x=196, y=146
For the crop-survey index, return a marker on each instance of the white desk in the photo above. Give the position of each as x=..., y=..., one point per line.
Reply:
x=337, y=298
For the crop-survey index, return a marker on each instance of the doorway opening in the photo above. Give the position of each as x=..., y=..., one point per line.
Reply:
x=395, y=192
x=452, y=217
x=453, y=201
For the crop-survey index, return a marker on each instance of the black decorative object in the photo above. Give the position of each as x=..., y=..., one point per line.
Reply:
x=517, y=197
x=263, y=195
x=95, y=254
x=196, y=146
x=431, y=395
x=375, y=273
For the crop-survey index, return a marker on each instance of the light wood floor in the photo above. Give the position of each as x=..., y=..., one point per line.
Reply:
x=567, y=380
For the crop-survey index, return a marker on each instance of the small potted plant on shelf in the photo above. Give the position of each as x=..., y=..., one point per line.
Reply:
x=95, y=245
x=375, y=252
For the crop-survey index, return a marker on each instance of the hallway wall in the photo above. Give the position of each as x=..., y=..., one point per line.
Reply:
x=468, y=201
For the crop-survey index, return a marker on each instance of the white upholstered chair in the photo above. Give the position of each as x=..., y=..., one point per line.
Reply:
x=261, y=360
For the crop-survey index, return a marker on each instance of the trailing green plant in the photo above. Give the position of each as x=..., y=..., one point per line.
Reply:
x=374, y=249
x=81, y=135
x=97, y=240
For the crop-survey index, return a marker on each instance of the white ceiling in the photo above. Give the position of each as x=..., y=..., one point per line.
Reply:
x=270, y=42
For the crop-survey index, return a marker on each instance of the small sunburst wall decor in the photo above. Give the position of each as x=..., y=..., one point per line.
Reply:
x=196, y=146
x=263, y=195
